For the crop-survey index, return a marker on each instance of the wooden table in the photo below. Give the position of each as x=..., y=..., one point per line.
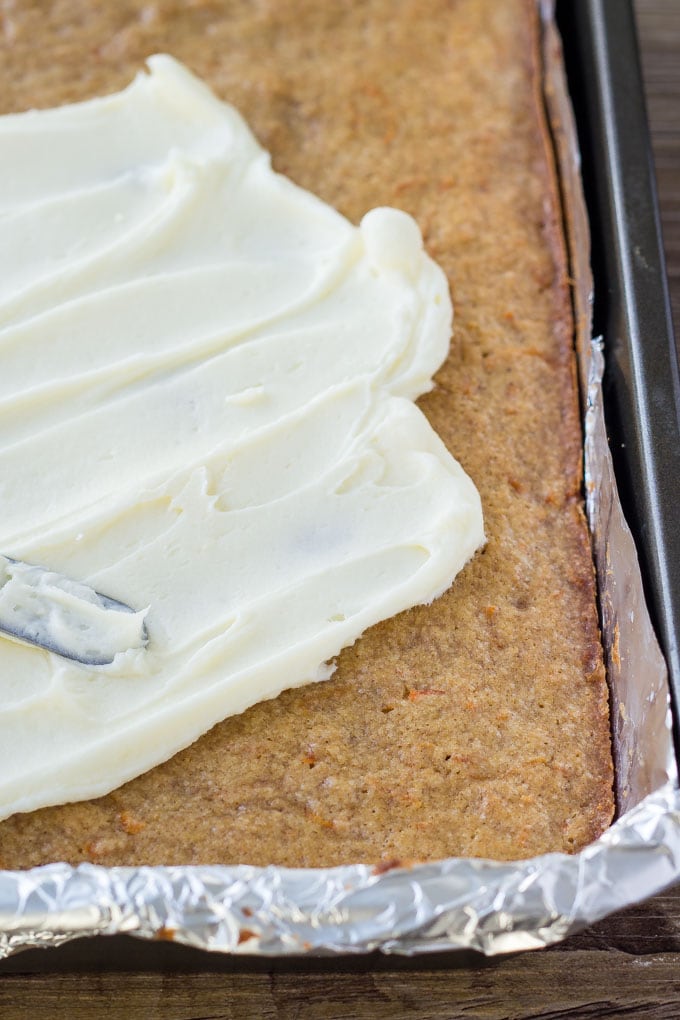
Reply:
x=628, y=964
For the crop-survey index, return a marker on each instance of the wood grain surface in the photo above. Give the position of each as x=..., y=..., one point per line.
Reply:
x=628, y=965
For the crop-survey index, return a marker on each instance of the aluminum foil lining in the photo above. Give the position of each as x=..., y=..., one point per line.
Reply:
x=472, y=904
x=458, y=903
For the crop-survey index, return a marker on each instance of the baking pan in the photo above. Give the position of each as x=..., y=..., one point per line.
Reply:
x=631, y=306
x=642, y=405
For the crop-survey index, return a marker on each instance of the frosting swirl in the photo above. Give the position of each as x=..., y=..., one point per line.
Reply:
x=207, y=379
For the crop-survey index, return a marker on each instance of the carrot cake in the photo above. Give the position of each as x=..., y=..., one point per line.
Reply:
x=476, y=725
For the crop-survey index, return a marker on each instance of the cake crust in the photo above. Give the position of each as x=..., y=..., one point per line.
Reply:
x=477, y=726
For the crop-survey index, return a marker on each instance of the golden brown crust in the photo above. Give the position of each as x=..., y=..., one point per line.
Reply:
x=478, y=725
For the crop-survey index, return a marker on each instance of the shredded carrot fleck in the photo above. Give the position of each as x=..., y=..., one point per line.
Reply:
x=369, y=88
x=387, y=865
x=415, y=695
x=406, y=183
x=131, y=824
x=320, y=820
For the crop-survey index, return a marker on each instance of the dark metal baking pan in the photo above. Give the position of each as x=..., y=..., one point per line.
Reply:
x=642, y=393
x=631, y=300
x=632, y=308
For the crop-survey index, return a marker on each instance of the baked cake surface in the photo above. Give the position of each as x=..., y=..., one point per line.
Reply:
x=478, y=725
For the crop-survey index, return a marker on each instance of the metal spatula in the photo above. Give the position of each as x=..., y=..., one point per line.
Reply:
x=43, y=608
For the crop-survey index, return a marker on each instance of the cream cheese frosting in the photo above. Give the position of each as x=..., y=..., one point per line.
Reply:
x=207, y=379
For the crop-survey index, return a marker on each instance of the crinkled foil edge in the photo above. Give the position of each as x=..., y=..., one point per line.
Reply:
x=484, y=905
x=454, y=904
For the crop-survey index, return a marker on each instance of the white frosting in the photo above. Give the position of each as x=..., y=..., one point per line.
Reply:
x=206, y=386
